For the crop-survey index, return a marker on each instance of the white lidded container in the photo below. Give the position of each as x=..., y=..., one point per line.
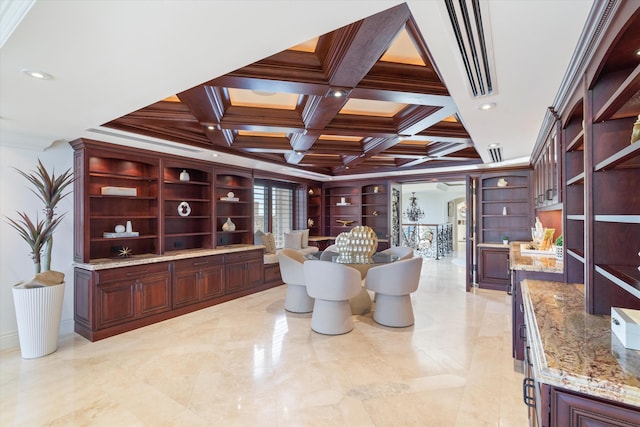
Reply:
x=625, y=324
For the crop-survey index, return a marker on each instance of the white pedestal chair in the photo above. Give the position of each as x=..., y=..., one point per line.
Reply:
x=402, y=252
x=291, y=269
x=331, y=250
x=332, y=285
x=393, y=283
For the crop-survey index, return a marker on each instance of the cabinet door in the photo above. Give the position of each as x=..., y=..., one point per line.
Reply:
x=185, y=287
x=116, y=303
x=235, y=276
x=154, y=293
x=254, y=273
x=211, y=282
x=568, y=409
x=493, y=268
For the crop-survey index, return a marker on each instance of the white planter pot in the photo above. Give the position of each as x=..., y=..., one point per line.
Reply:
x=38, y=312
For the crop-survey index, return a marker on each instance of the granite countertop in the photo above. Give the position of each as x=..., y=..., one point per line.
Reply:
x=493, y=245
x=104, y=263
x=546, y=264
x=576, y=350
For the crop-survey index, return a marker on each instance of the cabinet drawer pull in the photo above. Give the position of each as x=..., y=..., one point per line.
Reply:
x=521, y=308
x=615, y=321
x=529, y=384
x=522, y=332
x=527, y=357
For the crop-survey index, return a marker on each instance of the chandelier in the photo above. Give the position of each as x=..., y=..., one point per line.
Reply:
x=413, y=212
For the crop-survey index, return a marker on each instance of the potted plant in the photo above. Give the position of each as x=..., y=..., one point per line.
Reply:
x=505, y=240
x=559, y=248
x=38, y=302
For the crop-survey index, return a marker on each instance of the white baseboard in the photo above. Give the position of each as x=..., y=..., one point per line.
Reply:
x=10, y=340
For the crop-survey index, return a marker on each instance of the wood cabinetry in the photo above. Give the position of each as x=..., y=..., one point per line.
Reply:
x=112, y=187
x=314, y=210
x=574, y=409
x=187, y=209
x=493, y=267
x=114, y=300
x=341, y=203
x=198, y=279
x=244, y=270
x=505, y=210
x=110, y=301
x=547, y=170
x=574, y=194
x=363, y=203
x=602, y=203
x=240, y=211
x=375, y=208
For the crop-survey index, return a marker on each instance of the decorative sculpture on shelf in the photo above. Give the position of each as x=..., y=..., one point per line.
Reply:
x=357, y=245
x=228, y=225
x=345, y=222
x=125, y=252
x=413, y=212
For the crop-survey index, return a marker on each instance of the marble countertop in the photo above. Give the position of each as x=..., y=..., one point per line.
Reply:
x=493, y=245
x=576, y=350
x=104, y=263
x=546, y=264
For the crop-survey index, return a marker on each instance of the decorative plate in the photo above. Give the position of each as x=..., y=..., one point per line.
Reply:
x=184, y=209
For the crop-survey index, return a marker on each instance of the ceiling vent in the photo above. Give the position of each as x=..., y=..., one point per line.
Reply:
x=496, y=154
x=474, y=43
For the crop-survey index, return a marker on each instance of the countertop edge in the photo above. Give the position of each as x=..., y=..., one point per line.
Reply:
x=172, y=256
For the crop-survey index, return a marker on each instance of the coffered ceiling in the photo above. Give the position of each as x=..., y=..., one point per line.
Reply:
x=363, y=98
x=192, y=78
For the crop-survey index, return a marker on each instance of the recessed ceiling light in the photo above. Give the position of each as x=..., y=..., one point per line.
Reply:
x=37, y=74
x=487, y=106
x=494, y=145
x=214, y=155
x=211, y=127
x=337, y=93
x=637, y=52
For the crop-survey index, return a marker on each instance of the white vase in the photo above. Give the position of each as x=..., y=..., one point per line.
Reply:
x=184, y=176
x=228, y=225
x=38, y=313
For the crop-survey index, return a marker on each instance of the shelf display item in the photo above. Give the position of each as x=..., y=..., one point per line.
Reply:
x=228, y=225
x=231, y=197
x=184, y=176
x=120, y=228
x=184, y=209
x=502, y=182
x=129, y=228
x=635, y=134
x=119, y=191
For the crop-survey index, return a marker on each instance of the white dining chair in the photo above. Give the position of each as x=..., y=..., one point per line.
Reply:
x=297, y=299
x=332, y=285
x=393, y=283
x=330, y=251
x=402, y=252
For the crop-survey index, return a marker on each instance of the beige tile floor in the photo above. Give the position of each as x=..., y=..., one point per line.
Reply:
x=249, y=363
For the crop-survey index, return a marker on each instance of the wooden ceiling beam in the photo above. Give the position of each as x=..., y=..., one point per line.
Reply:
x=354, y=49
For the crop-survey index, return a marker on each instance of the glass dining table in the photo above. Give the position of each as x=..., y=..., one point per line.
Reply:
x=360, y=304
